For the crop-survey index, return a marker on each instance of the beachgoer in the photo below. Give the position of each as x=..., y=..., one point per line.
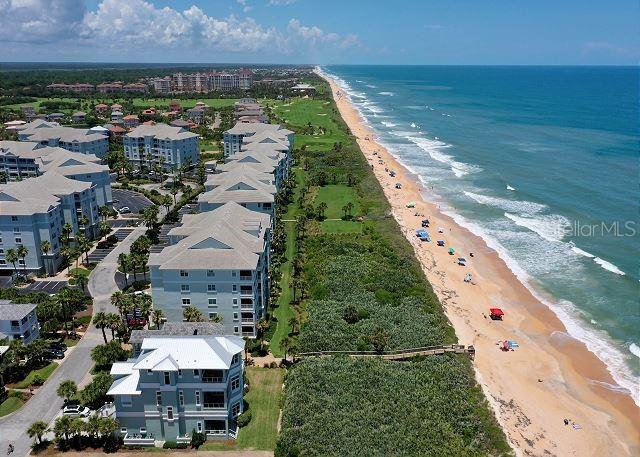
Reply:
x=566, y=422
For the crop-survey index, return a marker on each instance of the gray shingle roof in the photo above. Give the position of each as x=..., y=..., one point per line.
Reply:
x=13, y=311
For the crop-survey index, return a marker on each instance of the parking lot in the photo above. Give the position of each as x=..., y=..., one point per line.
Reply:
x=133, y=200
x=128, y=222
x=50, y=287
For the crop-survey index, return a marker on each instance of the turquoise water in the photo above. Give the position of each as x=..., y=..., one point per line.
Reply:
x=542, y=162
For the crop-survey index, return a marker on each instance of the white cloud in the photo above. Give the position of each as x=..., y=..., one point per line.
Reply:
x=39, y=21
x=314, y=35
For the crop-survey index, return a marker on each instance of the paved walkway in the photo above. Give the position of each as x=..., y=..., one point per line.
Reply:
x=46, y=404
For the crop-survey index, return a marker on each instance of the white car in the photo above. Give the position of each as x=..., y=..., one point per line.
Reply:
x=76, y=410
x=124, y=210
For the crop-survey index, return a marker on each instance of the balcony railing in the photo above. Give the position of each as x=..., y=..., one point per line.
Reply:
x=247, y=320
x=247, y=306
x=216, y=432
x=212, y=379
x=214, y=405
x=139, y=440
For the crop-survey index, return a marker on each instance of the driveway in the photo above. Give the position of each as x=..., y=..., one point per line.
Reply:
x=46, y=404
x=134, y=200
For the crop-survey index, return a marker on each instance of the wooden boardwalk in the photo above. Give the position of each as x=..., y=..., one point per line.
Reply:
x=404, y=354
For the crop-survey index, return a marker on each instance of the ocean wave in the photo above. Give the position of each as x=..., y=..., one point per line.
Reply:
x=389, y=94
x=434, y=149
x=634, y=349
x=512, y=206
x=551, y=227
x=579, y=251
x=608, y=266
x=371, y=86
x=388, y=124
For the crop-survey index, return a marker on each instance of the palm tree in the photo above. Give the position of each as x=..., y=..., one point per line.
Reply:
x=150, y=216
x=285, y=345
x=93, y=426
x=144, y=304
x=157, y=317
x=322, y=207
x=104, y=228
x=101, y=322
x=67, y=230
x=83, y=221
x=166, y=202
x=123, y=261
x=217, y=318
x=262, y=326
x=82, y=281
x=63, y=427
x=45, y=247
x=23, y=252
x=67, y=390
x=114, y=322
x=192, y=314
x=12, y=256
x=104, y=212
x=36, y=430
x=293, y=323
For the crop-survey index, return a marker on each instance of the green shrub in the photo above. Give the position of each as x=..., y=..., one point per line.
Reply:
x=197, y=439
x=37, y=380
x=244, y=419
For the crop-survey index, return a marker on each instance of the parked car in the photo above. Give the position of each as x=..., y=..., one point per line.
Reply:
x=58, y=346
x=76, y=410
x=51, y=353
x=124, y=210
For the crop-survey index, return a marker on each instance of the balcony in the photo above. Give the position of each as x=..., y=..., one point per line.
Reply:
x=248, y=320
x=246, y=306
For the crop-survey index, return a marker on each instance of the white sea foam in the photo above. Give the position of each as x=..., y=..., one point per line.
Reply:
x=634, y=349
x=372, y=86
x=512, y=206
x=434, y=149
x=413, y=124
x=579, y=251
x=389, y=94
x=551, y=227
x=510, y=188
x=608, y=266
x=388, y=124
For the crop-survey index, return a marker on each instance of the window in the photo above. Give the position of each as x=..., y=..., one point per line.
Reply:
x=16, y=229
x=235, y=382
x=3, y=262
x=181, y=397
x=213, y=315
x=197, y=398
x=199, y=423
x=18, y=240
x=149, y=372
x=235, y=301
x=143, y=430
x=233, y=273
x=213, y=301
x=185, y=287
x=186, y=301
x=123, y=430
x=196, y=373
x=234, y=287
x=180, y=373
x=235, y=329
x=125, y=400
x=167, y=377
x=158, y=398
x=21, y=262
x=184, y=273
x=235, y=409
x=170, y=413
x=235, y=315
x=211, y=273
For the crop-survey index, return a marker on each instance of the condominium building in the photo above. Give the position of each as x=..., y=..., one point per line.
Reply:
x=244, y=190
x=217, y=261
x=77, y=140
x=177, y=385
x=162, y=144
x=244, y=133
x=35, y=210
x=18, y=321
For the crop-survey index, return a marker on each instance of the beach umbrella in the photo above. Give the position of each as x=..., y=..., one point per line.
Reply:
x=452, y=251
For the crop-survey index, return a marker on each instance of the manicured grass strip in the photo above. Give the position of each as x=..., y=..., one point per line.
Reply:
x=11, y=404
x=264, y=403
x=43, y=372
x=284, y=312
x=341, y=227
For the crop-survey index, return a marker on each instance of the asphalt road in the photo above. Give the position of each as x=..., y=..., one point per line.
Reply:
x=135, y=201
x=46, y=404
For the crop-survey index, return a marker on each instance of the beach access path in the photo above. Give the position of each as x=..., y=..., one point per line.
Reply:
x=550, y=376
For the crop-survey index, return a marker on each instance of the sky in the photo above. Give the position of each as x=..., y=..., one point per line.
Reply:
x=436, y=32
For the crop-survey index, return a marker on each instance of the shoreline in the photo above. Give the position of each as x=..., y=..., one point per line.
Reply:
x=551, y=376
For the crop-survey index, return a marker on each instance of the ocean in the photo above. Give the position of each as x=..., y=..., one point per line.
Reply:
x=541, y=162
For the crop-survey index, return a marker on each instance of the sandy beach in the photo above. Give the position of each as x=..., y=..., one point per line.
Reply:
x=550, y=376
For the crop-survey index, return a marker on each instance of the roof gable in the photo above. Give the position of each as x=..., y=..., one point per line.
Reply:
x=210, y=243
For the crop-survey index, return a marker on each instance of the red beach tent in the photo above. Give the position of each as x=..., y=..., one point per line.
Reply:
x=496, y=313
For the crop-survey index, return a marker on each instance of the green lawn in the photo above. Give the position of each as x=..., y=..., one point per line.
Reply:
x=341, y=227
x=264, y=403
x=300, y=112
x=11, y=404
x=284, y=312
x=44, y=372
x=336, y=196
